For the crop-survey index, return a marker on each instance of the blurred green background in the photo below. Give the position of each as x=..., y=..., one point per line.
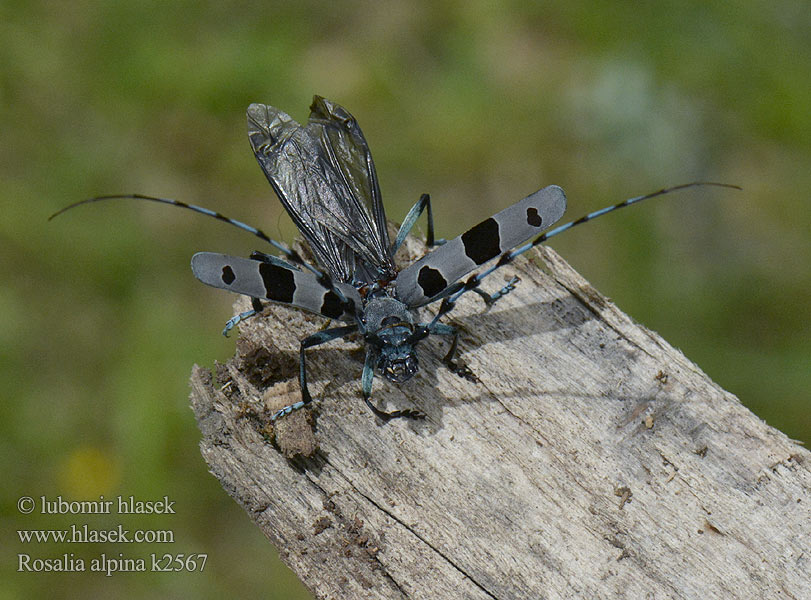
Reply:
x=478, y=103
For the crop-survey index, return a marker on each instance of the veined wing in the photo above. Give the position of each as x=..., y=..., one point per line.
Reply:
x=324, y=176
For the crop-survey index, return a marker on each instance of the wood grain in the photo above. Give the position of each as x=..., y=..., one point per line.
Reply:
x=593, y=460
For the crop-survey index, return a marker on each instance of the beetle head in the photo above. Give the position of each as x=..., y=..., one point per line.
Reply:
x=390, y=328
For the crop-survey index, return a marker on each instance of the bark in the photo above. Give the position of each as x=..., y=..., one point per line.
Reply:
x=592, y=460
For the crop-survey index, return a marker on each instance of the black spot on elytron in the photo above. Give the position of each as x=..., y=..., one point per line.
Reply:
x=279, y=283
x=533, y=218
x=431, y=281
x=332, y=306
x=482, y=242
x=228, y=275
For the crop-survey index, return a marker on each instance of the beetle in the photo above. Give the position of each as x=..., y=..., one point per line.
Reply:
x=325, y=177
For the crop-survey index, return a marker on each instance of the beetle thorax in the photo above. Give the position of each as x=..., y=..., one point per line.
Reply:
x=389, y=326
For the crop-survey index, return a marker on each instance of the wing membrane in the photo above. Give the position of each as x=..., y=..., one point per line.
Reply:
x=324, y=176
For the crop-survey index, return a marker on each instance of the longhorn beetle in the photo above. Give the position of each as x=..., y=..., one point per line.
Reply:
x=324, y=176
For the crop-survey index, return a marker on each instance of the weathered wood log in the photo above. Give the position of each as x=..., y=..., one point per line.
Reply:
x=593, y=460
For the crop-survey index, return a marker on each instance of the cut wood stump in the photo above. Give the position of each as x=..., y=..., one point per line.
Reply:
x=592, y=460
